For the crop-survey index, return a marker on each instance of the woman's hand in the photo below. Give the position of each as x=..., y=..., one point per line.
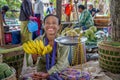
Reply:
x=34, y=57
x=45, y=75
x=40, y=75
x=32, y=18
x=36, y=76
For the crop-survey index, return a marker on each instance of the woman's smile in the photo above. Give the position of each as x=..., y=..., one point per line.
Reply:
x=50, y=29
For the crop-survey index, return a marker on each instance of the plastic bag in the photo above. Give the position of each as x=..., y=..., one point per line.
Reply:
x=32, y=26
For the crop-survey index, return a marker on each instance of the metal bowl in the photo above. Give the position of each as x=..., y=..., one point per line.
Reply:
x=70, y=40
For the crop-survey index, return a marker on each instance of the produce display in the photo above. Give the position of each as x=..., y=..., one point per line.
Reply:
x=89, y=33
x=36, y=47
x=68, y=32
x=5, y=71
x=71, y=32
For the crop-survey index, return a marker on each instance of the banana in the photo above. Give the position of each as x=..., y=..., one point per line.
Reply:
x=44, y=51
x=33, y=43
x=77, y=30
x=38, y=47
x=25, y=49
x=41, y=45
x=37, y=43
x=30, y=50
x=71, y=33
x=49, y=48
x=34, y=51
x=29, y=44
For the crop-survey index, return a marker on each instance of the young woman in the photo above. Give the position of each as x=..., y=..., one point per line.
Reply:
x=57, y=60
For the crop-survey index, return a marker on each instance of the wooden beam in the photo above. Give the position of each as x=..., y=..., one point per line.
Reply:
x=2, y=39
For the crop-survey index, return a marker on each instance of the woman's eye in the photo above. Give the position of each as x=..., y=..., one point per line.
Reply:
x=47, y=23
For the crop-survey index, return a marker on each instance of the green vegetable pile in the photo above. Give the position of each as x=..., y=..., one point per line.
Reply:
x=5, y=71
x=90, y=33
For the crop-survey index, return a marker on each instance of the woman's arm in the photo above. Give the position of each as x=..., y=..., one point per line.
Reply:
x=62, y=60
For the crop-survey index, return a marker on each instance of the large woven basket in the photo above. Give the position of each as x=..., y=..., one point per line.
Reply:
x=0, y=58
x=101, y=20
x=14, y=59
x=109, y=57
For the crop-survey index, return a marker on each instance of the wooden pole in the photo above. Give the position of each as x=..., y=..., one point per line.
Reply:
x=59, y=8
x=2, y=41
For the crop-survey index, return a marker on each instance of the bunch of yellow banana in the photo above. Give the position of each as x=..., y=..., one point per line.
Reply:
x=36, y=47
x=71, y=32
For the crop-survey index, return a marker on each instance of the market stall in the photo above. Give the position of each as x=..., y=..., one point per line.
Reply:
x=10, y=54
x=80, y=43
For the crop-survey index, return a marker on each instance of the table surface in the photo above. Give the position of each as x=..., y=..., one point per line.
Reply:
x=73, y=22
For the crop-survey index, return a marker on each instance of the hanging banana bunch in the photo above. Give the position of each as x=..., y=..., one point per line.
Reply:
x=36, y=47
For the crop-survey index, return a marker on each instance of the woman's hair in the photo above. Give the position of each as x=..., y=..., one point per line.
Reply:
x=53, y=16
x=81, y=6
x=51, y=3
x=6, y=8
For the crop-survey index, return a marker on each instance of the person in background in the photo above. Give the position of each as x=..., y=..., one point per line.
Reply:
x=92, y=10
x=39, y=14
x=3, y=11
x=85, y=19
x=25, y=14
x=51, y=9
x=57, y=60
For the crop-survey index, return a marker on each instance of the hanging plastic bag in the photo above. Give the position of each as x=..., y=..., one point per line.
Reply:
x=32, y=26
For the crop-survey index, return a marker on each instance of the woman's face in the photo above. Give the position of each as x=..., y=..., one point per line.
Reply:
x=80, y=10
x=51, y=26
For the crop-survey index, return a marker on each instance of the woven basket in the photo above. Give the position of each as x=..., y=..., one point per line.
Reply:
x=109, y=57
x=14, y=59
x=12, y=77
x=101, y=20
x=1, y=58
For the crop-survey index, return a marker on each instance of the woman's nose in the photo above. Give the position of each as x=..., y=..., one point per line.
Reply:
x=51, y=24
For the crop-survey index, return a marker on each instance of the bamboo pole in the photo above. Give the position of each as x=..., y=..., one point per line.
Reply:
x=2, y=41
x=5, y=51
